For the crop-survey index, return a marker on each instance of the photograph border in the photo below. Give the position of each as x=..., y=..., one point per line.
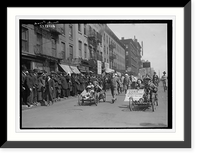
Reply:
x=126, y=144
x=169, y=40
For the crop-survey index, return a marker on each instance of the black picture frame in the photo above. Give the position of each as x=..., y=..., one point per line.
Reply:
x=126, y=144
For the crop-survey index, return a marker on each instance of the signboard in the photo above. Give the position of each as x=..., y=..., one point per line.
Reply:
x=99, y=70
x=106, y=65
x=134, y=93
x=146, y=65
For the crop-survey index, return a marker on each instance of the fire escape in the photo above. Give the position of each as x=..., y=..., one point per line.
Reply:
x=94, y=39
x=112, y=55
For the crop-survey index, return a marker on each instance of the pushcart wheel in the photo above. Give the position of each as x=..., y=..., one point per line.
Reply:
x=130, y=103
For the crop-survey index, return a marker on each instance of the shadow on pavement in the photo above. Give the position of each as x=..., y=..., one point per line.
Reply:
x=153, y=124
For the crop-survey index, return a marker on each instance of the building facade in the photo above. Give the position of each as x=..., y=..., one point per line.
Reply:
x=40, y=46
x=114, y=51
x=133, y=55
x=46, y=46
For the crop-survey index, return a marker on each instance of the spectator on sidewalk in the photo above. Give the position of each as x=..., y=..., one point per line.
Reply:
x=64, y=85
x=41, y=88
x=49, y=90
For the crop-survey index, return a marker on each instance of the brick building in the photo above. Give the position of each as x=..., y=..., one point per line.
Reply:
x=133, y=55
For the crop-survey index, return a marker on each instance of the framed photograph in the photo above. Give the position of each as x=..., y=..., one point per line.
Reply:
x=101, y=77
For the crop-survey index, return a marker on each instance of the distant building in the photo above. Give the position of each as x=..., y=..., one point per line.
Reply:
x=114, y=51
x=133, y=55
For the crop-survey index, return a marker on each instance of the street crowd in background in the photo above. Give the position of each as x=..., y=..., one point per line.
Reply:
x=40, y=87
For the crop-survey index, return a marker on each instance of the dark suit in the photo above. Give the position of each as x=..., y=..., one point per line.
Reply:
x=64, y=85
x=30, y=84
x=49, y=90
x=25, y=92
x=68, y=79
x=35, y=86
x=40, y=89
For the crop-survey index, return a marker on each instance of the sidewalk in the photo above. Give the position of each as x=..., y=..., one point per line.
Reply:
x=25, y=107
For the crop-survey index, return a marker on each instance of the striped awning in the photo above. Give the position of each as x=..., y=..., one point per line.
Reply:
x=75, y=69
x=66, y=68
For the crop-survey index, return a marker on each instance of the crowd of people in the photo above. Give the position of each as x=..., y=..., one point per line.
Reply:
x=40, y=87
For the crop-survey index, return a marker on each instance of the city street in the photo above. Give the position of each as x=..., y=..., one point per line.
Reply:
x=68, y=113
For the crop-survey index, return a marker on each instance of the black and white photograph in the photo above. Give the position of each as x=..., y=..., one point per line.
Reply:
x=90, y=74
x=98, y=77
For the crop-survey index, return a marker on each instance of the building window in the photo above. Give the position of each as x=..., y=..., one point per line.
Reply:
x=104, y=37
x=85, y=29
x=63, y=49
x=85, y=50
x=71, y=31
x=39, y=43
x=80, y=48
x=70, y=52
x=24, y=39
x=79, y=27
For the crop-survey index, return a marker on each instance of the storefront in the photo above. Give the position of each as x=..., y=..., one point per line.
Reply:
x=39, y=62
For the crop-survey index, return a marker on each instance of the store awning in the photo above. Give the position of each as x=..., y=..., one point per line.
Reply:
x=75, y=69
x=82, y=69
x=66, y=68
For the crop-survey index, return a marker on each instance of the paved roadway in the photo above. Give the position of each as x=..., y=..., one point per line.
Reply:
x=67, y=114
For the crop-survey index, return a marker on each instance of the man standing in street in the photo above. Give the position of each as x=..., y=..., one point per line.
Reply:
x=113, y=87
x=126, y=83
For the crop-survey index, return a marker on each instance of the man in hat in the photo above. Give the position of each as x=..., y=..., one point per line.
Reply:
x=164, y=80
x=113, y=86
x=155, y=79
x=149, y=87
x=24, y=87
x=41, y=87
x=126, y=82
x=49, y=89
x=63, y=84
x=35, y=86
x=30, y=84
